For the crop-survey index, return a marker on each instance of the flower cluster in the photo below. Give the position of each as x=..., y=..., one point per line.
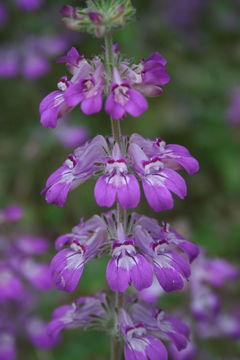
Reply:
x=141, y=251
x=98, y=17
x=137, y=252
x=151, y=161
x=128, y=85
x=21, y=277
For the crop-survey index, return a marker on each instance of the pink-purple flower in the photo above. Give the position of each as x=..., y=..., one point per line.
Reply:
x=117, y=183
x=127, y=266
x=139, y=344
x=124, y=99
x=83, y=312
x=162, y=249
x=84, y=243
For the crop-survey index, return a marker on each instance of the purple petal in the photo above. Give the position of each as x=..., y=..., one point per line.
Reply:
x=92, y=104
x=129, y=194
x=175, y=182
x=168, y=278
x=137, y=103
x=67, y=268
x=115, y=110
x=57, y=193
x=105, y=194
x=118, y=278
x=158, y=197
x=141, y=273
x=156, y=350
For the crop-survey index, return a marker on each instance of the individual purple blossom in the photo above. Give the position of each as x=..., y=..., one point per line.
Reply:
x=117, y=183
x=158, y=181
x=11, y=213
x=164, y=231
x=83, y=312
x=11, y=287
x=172, y=155
x=9, y=62
x=71, y=136
x=35, y=66
x=31, y=245
x=87, y=90
x=38, y=334
x=7, y=346
x=124, y=99
x=28, y=5
x=160, y=325
x=84, y=243
x=54, y=106
x=138, y=343
x=38, y=274
x=169, y=266
x=206, y=272
x=149, y=75
x=127, y=266
x=73, y=60
x=76, y=170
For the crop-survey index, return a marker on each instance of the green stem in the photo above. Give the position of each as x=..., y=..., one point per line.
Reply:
x=116, y=349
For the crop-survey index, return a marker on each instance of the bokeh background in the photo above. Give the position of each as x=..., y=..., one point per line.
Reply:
x=200, y=109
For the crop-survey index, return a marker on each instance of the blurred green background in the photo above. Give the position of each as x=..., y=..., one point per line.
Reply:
x=201, y=41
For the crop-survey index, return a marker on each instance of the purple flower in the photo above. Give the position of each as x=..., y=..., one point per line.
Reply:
x=83, y=312
x=157, y=180
x=117, y=183
x=126, y=266
x=71, y=136
x=9, y=62
x=173, y=156
x=85, y=243
x=160, y=325
x=11, y=287
x=76, y=170
x=28, y=5
x=73, y=60
x=37, y=274
x=149, y=75
x=169, y=266
x=138, y=343
x=11, y=213
x=34, y=66
x=7, y=346
x=37, y=332
x=87, y=90
x=54, y=106
x=167, y=233
x=124, y=99
x=31, y=245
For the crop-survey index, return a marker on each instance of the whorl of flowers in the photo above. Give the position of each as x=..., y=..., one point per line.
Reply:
x=141, y=251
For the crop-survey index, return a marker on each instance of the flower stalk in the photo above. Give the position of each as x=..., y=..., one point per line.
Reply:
x=116, y=349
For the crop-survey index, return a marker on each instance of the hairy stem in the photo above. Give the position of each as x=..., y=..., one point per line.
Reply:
x=116, y=350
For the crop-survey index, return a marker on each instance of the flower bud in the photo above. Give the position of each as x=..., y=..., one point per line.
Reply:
x=98, y=17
